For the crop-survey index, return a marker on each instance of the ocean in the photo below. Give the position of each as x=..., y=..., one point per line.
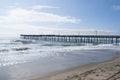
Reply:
x=22, y=59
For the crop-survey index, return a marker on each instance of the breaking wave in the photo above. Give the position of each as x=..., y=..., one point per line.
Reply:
x=15, y=51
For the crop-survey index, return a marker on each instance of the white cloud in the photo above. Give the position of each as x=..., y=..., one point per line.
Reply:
x=43, y=7
x=19, y=15
x=116, y=7
x=17, y=21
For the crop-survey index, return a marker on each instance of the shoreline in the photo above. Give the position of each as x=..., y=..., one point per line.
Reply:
x=106, y=70
x=61, y=67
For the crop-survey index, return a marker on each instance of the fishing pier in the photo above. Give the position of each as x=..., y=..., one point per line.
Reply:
x=96, y=39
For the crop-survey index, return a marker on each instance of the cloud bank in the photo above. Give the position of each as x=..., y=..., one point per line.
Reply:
x=19, y=15
x=18, y=20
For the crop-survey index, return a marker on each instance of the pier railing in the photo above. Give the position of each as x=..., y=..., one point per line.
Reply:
x=97, y=39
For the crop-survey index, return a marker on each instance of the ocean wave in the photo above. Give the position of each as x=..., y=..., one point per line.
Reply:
x=23, y=41
x=15, y=51
x=4, y=50
x=21, y=49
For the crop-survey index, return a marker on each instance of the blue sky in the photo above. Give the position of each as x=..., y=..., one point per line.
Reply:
x=53, y=16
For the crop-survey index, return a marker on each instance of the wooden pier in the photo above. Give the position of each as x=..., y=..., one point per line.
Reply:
x=95, y=39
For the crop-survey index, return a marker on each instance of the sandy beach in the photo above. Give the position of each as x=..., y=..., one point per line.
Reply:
x=108, y=70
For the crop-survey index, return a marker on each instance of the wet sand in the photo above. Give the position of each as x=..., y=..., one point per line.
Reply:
x=108, y=70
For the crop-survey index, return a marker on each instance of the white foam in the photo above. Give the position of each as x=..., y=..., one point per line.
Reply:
x=36, y=51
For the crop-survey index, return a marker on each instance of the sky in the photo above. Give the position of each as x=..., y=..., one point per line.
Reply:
x=59, y=17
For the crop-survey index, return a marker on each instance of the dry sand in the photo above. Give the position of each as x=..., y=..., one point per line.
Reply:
x=109, y=70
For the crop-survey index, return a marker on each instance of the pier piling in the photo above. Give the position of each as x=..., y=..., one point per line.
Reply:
x=96, y=39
